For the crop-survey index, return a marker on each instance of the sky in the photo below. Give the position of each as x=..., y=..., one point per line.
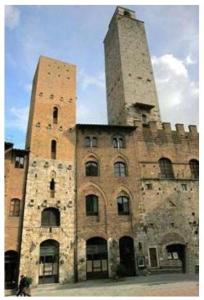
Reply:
x=75, y=34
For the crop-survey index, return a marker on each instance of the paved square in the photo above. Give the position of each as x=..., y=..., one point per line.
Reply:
x=152, y=285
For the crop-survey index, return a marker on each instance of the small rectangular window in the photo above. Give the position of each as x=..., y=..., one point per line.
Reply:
x=148, y=186
x=19, y=162
x=184, y=187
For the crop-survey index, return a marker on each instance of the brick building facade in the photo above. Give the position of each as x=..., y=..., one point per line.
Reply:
x=102, y=196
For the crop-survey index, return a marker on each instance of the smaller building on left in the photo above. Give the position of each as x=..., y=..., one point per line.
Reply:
x=15, y=172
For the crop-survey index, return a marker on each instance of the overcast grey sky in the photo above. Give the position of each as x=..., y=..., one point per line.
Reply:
x=75, y=34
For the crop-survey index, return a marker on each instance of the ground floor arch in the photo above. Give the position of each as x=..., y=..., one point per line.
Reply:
x=49, y=262
x=96, y=258
x=11, y=269
x=127, y=255
x=177, y=252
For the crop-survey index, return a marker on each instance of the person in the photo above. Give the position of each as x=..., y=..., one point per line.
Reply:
x=21, y=287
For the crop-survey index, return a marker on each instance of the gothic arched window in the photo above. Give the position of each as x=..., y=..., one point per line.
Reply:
x=166, y=168
x=120, y=169
x=91, y=168
x=123, y=205
x=91, y=205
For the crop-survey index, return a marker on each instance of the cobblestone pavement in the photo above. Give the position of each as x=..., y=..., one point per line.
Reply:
x=153, y=285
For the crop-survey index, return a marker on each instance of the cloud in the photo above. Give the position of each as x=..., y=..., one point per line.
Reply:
x=18, y=118
x=178, y=95
x=86, y=80
x=12, y=16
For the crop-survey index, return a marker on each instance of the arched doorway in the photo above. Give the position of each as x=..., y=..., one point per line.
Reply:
x=49, y=262
x=96, y=258
x=177, y=252
x=11, y=269
x=127, y=255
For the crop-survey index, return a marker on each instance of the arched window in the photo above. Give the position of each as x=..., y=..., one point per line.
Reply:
x=91, y=205
x=166, y=168
x=118, y=142
x=55, y=115
x=194, y=166
x=91, y=168
x=50, y=217
x=14, y=208
x=53, y=149
x=90, y=141
x=123, y=205
x=52, y=188
x=120, y=169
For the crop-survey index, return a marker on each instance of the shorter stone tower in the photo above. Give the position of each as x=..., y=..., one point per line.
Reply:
x=48, y=226
x=130, y=86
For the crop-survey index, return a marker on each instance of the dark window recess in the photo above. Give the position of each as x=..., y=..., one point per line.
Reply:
x=149, y=186
x=19, y=162
x=91, y=168
x=184, y=187
x=166, y=168
x=90, y=141
x=50, y=217
x=194, y=167
x=123, y=205
x=53, y=149
x=120, y=169
x=91, y=205
x=118, y=142
x=14, y=208
x=52, y=188
x=55, y=115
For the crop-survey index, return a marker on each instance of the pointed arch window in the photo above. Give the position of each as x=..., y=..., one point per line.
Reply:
x=53, y=149
x=166, y=168
x=55, y=115
x=91, y=205
x=91, y=168
x=123, y=205
x=194, y=167
x=14, y=208
x=120, y=169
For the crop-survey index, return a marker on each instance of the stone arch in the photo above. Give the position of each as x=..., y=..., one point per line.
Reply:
x=172, y=238
x=49, y=250
x=125, y=190
x=91, y=156
x=120, y=157
x=96, y=187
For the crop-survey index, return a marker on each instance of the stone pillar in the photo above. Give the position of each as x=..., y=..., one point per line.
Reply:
x=81, y=259
x=113, y=256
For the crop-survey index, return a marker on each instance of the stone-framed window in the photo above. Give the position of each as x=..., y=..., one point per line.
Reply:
x=19, y=161
x=123, y=205
x=14, y=208
x=90, y=141
x=194, y=167
x=55, y=115
x=50, y=217
x=91, y=168
x=92, y=205
x=52, y=188
x=120, y=169
x=118, y=142
x=53, y=149
x=166, y=168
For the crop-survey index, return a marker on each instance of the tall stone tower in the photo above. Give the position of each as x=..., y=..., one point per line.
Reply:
x=130, y=86
x=48, y=226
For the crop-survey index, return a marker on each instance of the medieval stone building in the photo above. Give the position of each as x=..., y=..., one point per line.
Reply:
x=82, y=199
